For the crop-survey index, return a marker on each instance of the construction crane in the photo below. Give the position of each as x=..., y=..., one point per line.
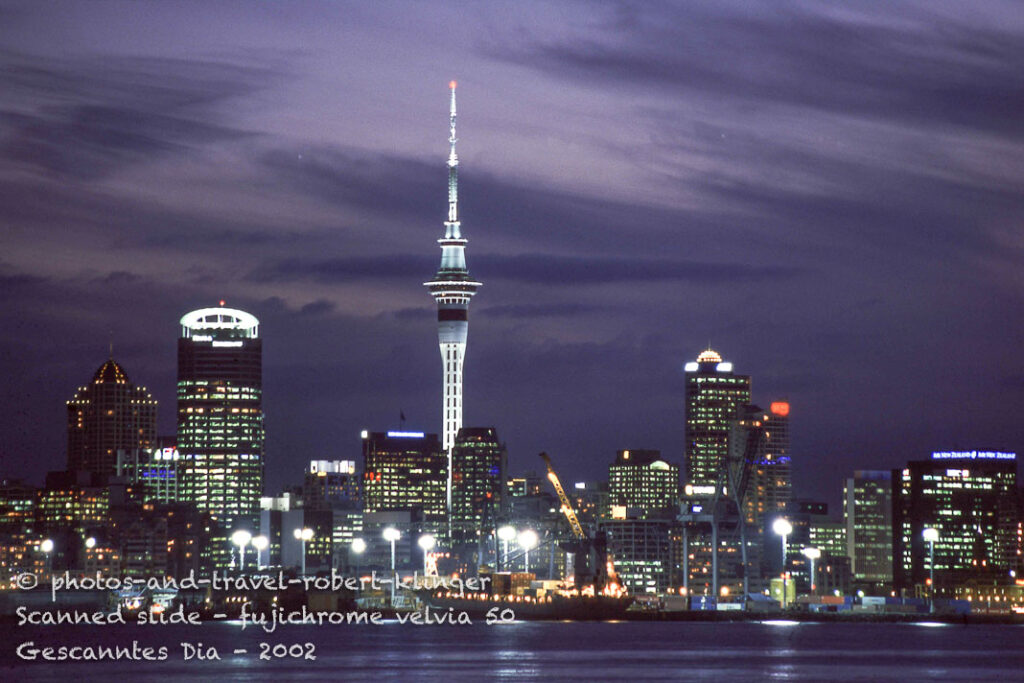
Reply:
x=592, y=567
x=567, y=510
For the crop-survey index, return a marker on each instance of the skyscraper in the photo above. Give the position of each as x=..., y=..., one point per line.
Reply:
x=770, y=487
x=406, y=471
x=220, y=417
x=108, y=415
x=713, y=395
x=479, y=464
x=452, y=289
x=760, y=477
x=867, y=511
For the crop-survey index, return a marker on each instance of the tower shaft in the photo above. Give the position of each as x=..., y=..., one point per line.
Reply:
x=452, y=289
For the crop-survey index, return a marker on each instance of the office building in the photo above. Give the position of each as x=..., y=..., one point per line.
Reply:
x=829, y=536
x=714, y=393
x=770, y=486
x=17, y=507
x=220, y=419
x=479, y=463
x=640, y=479
x=867, y=514
x=77, y=501
x=154, y=471
x=108, y=415
x=970, y=499
x=406, y=471
x=331, y=484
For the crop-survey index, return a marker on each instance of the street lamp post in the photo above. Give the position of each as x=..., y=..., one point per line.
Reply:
x=812, y=554
x=392, y=534
x=528, y=540
x=47, y=547
x=931, y=535
x=426, y=544
x=260, y=543
x=783, y=528
x=506, y=534
x=304, y=534
x=241, y=538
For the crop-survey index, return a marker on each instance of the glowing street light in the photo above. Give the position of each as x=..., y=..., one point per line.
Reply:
x=392, y=534
x=528, y=540
x=241, y=538
x=260, y=543
x=304, y=534
x=506, y=534
x=812, y=554
x=931, y=535
x=90, y=543
x=357, y=548
x=47, y=547
x=783, y=528
x=426, y=543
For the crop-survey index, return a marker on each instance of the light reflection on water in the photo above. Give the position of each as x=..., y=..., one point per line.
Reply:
x=551, y=651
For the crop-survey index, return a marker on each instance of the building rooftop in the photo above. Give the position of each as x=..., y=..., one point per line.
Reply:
x=110, y=373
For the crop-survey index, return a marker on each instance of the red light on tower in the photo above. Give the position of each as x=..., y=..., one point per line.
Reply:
x=222, y=302
x=452, y=85
x=780, y=408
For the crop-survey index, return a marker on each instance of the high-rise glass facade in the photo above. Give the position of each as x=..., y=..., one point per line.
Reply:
x=769, y=485
x=867, y=514
x=406, y=471
x=479, y=463
x=713, y=395
x=220, y=417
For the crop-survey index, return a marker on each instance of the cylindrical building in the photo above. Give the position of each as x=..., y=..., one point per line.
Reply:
x=220, y=419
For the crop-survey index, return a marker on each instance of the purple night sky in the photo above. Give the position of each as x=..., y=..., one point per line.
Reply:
x=831, y=194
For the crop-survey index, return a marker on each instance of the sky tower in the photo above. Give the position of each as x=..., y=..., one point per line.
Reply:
x=452, y=288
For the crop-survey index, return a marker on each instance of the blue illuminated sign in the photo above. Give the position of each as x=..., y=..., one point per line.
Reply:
x=161, y=473
x=405, y=435
x=973, y=455
x=778, y=460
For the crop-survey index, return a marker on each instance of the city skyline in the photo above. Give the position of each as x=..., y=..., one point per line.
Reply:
x=856, y=256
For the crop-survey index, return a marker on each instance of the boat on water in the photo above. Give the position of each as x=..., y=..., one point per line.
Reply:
x=556, y=606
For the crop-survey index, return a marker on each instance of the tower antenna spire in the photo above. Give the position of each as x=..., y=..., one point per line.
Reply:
x=452, y=289
x=453, y=165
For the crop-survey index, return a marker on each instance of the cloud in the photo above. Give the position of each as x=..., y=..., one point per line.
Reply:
x=915, y=65
x=528, y=268
x=318, y=307
x=527, y=311
x=87, y=119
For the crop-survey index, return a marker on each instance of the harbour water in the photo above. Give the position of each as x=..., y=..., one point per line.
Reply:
x=580, y=651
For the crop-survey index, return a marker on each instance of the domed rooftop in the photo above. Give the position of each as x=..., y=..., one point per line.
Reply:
x=709, y=356
x=110, y=372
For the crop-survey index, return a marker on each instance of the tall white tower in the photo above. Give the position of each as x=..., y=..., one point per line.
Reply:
x=452, y=289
